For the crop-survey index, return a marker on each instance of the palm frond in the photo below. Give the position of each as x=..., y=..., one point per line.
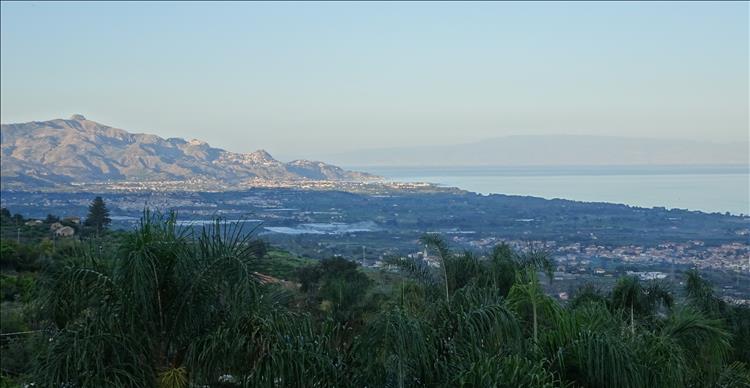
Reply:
x=506, y=372
x=734, y=375
x=705, y=340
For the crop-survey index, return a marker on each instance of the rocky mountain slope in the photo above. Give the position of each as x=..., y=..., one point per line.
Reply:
x=77, y=150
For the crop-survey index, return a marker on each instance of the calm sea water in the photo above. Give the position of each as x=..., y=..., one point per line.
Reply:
x=705, y=188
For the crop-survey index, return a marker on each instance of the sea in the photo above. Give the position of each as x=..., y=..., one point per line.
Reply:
x=715, y=188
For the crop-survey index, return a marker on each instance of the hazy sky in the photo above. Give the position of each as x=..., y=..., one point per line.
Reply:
x=306, y=79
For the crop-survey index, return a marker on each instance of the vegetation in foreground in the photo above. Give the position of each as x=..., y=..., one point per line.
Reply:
x=165, y=306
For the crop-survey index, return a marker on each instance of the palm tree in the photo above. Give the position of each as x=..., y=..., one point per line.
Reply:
x=527, y=298
x=174, y=308
x=443, y=253
x=456, y=270
x=700, y=293
x=704, y=342
x=587, y=294
x=506, y=371
x=162, y=310
x=735, y=374
x=586, y=348
x=397, y=348
x=631, y=295
x=504, y=264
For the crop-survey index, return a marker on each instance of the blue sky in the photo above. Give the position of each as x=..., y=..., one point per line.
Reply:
x=307, y=79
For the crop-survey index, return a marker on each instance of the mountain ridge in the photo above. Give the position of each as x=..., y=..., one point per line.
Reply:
x=62, y=152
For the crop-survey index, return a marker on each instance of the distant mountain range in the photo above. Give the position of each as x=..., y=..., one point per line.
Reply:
x=553, y=150
x=61, y=152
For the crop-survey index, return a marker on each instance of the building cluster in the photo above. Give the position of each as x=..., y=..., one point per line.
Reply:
x=579, y=257
x=375, y=187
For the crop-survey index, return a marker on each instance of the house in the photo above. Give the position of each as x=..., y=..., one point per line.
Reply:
x=33, y=222
x=65, y=231
x=73, y=220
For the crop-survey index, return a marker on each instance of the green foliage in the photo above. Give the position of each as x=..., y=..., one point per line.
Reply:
x=455, y=271
x=173, y=378
x=98, y=216
x=734, y=375
x=165, y=306
x=736, y=318
x=506, y=372
x=13, y=318
x=18, y=353
x=121, y=320
x=337, y=286
x=529, y=301
x=739, y=325
x=6, y=218
x=586, y=295
x=639, y=300
x=396, y=349
x=20, y=257
x=281, y=264
x=666, y=361
x=586, y=347
x=704, y=341
x=16, y=287
x=5, y=215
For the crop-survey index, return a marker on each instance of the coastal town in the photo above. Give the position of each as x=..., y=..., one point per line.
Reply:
x=577, y=264
x=578, y=257
x=373, y=186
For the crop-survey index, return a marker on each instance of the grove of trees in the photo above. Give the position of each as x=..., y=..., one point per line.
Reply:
x=167, y=306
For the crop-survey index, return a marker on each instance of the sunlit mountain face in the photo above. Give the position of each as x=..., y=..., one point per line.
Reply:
x=59, y=152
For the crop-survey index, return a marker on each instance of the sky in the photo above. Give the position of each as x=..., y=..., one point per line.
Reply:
x=310, y=79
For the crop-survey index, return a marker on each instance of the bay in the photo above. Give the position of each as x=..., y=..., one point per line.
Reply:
x=715, y=188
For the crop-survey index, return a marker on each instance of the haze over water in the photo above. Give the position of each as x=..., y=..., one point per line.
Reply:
x=705, y=188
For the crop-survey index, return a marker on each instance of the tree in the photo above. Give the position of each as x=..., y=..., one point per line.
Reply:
x=632, y=296
x=166, y=309
x=337, y=286
x=528, y=299
x=5, y=214
x=98, y=217
x=456, y=270
x=173, y=307
x=441, y=247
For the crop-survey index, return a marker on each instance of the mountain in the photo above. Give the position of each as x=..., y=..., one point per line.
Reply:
x=62, y=152
x=558, y=150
